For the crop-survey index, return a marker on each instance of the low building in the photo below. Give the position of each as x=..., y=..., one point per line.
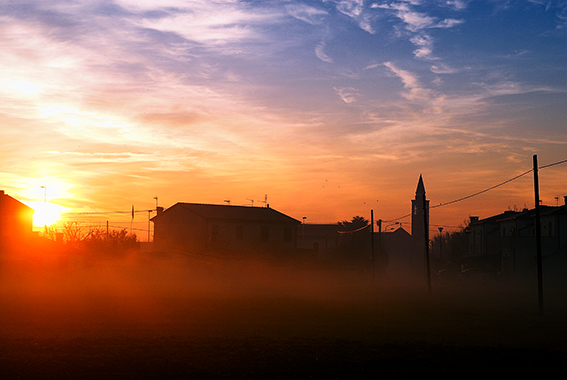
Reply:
x=206, y=228
x=16, y=222
x=506, y=243
x=321, y=239
x=396, y=250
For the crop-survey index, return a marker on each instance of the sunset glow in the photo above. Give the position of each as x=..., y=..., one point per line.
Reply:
x=45, y=214
x=330, y=108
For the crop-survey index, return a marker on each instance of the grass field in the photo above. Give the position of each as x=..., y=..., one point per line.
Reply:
x=147, y=316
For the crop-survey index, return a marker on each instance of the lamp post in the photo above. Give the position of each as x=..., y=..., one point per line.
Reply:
x=44, y=194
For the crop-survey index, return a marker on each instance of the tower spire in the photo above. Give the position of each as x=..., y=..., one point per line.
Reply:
x=417, y=205
x=420, y=186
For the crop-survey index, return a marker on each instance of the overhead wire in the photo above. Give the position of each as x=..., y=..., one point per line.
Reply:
x=485, y=190
x=387, y=221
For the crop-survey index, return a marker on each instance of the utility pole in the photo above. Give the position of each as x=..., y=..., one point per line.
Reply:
x=372, y=239
x=441, y=246
x=382, y=262
x=538, y=239
x=149, y=217
x=426, y=241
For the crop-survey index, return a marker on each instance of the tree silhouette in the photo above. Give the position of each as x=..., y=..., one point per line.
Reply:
x=448, y=249
x=353, y=238
x=356, y=223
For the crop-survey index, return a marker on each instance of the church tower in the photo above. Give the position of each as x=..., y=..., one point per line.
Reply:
x=417, y=220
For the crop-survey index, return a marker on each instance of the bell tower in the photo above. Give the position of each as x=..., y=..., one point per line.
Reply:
x=417, y=220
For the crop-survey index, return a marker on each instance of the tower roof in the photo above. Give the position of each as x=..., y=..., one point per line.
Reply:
x=420, y=187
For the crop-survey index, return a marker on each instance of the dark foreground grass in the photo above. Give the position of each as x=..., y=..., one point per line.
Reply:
x=176, y=318
x=263, y=358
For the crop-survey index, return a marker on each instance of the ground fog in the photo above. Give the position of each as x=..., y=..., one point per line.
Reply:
x=103, y=315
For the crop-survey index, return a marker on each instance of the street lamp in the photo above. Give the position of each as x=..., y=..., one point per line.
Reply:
x=44, y=194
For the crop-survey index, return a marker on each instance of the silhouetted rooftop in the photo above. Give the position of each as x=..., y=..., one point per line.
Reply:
x=228, y=212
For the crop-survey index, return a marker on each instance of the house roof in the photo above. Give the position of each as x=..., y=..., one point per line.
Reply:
x=512, y=215
x=398, y=231
x=506, y=215
x=228, y=212
x=5, y=199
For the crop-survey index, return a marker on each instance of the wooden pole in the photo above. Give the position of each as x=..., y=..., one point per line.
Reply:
x=149, y=217
x=426, y=241
x=538, y=239
x=372, y=239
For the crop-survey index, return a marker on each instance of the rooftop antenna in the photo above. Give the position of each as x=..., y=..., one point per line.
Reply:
x=251, y=200
x=265, y=200
x=227, y=201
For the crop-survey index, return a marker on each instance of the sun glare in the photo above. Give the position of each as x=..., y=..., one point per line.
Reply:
x=46, y=214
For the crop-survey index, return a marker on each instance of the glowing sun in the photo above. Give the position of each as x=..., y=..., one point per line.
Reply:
x=46, y=214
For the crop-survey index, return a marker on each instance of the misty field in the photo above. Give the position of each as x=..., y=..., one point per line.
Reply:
x=172, y=316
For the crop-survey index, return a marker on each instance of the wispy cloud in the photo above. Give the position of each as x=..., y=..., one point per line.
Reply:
x=320, y=53
x=411, y=83
x=425, y=47
x=306, y=13
x=355, y=9
x=216, y=26
x=458, y=4
x=347, y=94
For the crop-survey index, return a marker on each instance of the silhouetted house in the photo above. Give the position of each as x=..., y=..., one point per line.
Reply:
x=396, y=251
x=506, y=243
x=202, y=228
x=321, y=239
x=16, y=222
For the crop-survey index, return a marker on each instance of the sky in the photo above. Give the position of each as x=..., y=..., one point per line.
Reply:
x=326, y=109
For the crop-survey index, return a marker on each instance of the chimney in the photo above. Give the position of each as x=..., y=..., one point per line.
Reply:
x=474, y=219
x=159, y=210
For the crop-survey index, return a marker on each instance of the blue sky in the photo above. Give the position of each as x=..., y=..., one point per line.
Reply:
x=329, y=107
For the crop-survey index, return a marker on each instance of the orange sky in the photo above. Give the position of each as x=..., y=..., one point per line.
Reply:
x=330, y=108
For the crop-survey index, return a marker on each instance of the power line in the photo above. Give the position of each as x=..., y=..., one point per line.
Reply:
x=485, y=190
x=107, y=212
x=482, y=191
x=555, y=163
x=353, y=231
x=398, y=218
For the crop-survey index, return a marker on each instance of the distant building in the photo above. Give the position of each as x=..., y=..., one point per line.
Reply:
x=202, y=228
x=419, y=223
x=506, y=244
x=321, y=239
x=398, y=252
x=16, y=222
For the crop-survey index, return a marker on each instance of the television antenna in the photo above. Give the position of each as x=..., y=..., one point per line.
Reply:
x=265, y=200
